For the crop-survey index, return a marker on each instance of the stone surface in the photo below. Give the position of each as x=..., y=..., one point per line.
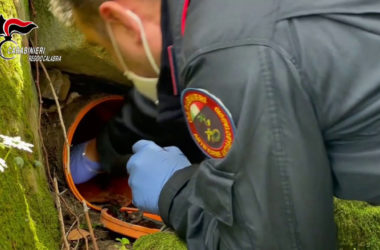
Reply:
x=77, y=55
x=28, y=216
x=61, y=84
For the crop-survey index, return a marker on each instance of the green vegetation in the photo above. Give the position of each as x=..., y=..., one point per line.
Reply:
x=29, y=218
x=358, y=225
x=159, y=241
x=124, y=242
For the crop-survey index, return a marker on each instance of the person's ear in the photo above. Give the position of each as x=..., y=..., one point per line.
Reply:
x=114, y=12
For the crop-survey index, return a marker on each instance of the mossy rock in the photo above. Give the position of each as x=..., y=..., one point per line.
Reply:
x=78, y=56
x=28, y=216
x=159, y=241
x=358, y=225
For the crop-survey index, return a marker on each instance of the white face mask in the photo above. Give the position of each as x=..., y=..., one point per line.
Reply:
x=147, y=86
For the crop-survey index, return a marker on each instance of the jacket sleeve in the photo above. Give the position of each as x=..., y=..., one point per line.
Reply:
x=274, y=188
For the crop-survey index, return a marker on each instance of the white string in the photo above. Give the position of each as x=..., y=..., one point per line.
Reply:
x=116, y=47
x=145, y=42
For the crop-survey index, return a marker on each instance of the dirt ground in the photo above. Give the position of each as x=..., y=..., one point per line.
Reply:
x=73, y=212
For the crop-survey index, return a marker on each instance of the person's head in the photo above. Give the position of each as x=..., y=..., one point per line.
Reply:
x=99, y=20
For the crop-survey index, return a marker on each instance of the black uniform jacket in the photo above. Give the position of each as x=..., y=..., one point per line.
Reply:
x=301, y=80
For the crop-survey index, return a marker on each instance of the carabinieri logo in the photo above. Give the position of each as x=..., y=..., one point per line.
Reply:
x=13, y=26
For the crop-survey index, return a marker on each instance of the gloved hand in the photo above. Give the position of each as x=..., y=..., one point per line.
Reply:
x=149, y=169
x=82, y=169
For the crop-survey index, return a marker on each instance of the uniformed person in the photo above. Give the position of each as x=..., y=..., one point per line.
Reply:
x=283, y=97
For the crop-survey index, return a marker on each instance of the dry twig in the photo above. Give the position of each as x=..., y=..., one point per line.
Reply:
x=58, y=202
x=67, y=145
x=86, y=241
x=69, y=209
x=85, y=209
x=55, y=184
x=71, y=227
x=77, y=245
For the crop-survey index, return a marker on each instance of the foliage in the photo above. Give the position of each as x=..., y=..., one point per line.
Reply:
x=29, y=218
x=124, y=242
x=159, y=241
x=358, y=225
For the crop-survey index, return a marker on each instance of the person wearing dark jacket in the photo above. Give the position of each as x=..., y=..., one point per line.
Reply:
x=282, y=97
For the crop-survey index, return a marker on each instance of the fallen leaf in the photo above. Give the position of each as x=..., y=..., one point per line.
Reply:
x=77, y=234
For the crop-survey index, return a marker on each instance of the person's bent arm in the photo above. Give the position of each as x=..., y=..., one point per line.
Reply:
x=274, y=189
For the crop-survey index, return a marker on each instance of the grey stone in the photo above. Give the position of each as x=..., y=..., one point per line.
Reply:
x=78, y=56
x=61, y=84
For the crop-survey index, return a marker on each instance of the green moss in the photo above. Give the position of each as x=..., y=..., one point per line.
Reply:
x=159, y=241
x=358, y=225
x=29, y=219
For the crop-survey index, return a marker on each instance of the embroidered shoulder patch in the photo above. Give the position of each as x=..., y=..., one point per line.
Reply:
x=209, y=122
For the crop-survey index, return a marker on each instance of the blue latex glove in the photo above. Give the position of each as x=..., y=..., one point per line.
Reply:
x=149, y=169
x=82, y=168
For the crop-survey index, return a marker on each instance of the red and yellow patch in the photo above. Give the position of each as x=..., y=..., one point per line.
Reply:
x=209, y=122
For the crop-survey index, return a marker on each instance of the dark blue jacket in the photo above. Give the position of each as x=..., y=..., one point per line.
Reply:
x=301, y=80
